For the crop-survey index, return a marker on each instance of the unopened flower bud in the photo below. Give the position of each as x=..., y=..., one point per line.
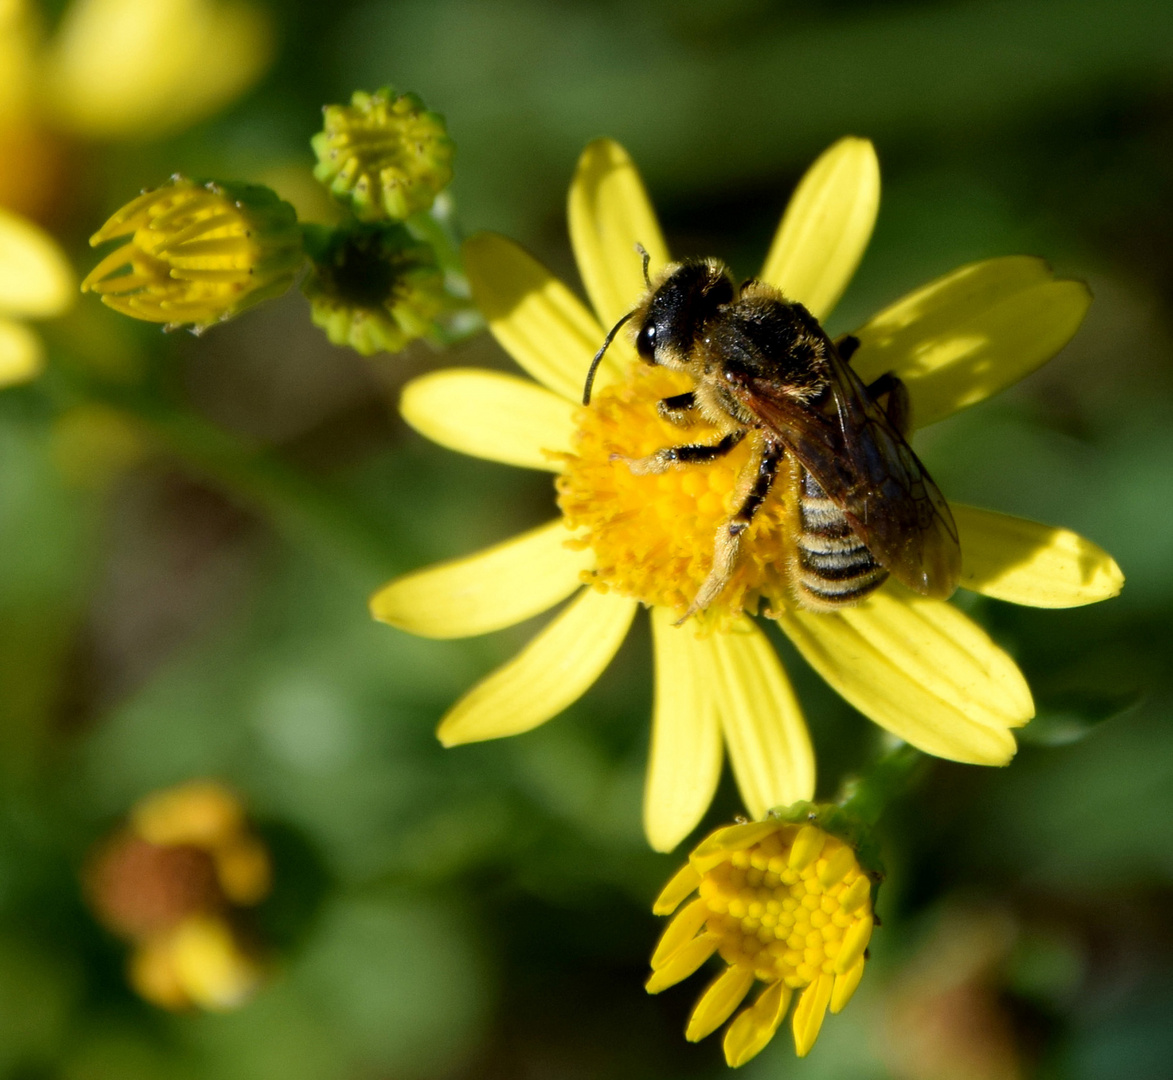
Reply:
x=375, y=288
x=198, y=253
x=384, y=154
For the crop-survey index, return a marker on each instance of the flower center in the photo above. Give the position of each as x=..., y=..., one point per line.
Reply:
x=653, y=534
x=792, y=907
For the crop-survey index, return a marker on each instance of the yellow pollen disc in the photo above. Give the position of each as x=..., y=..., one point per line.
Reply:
x=819, y=936
x=653, y=534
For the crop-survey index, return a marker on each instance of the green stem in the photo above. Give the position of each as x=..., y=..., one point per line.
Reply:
x=866, y=797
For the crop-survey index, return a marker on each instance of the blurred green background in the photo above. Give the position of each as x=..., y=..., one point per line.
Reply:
x=484, y=911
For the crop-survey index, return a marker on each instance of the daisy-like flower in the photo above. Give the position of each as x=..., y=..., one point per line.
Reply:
x=916, y=666
x=787, y=904
x=36, y=282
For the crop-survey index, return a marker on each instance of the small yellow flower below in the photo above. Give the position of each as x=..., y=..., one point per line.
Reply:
x=784, y=904
x=198, y=253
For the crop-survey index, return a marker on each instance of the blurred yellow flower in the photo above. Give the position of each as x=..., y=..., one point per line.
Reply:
x=171, y=883
x=36, y=282
x=785, y=904
x=114, y=69
x=916, y=666
x=197, y=253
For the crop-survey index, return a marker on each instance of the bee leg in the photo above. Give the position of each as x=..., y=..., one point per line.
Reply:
x=677, y=409
x=728, y=540
x=846, y=346
x=897, y=406
x=689, y=454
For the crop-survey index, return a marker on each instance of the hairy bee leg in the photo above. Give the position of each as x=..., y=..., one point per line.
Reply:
x=689, y=454
x=897, y=408
x=676, y=409
x=728, y=539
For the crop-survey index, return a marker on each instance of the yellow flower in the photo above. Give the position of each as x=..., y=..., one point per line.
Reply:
x=198, y=253
x=785, y=904
x=916, y=666
x=172, y=883
x=142, y=68
x=36, y=282
x=114, y=69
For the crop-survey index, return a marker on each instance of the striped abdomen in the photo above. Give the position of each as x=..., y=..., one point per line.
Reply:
x=834, y=567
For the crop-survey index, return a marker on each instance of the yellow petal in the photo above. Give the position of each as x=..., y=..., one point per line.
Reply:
x=551, y=673
x=1011, y=558
x=754, y=1027
x=922, y=670
x=855, y=943
x=490, y=590
x=769, y=747
x=807, y=846
x=536, y=318
x=684, y=762
x=845, y=984
x=136, y=68
x=610, y=213
x=683, y=963
x=717, y=1003
x=22, y=357
x=809, y=1013
x=683, y=882
x=971, y=333
x=680, y=931
x=715, y=847
x=490, y=415
x=826, y=227
x=36, y=279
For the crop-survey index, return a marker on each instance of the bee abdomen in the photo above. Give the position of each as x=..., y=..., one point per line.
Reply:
x=834, y=568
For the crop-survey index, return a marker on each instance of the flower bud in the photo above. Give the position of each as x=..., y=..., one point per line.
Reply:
x=384, y=154
x=198, y=253
x=375, y=288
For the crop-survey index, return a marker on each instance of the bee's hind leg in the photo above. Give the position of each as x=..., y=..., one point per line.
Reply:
x=689, y=454
x=891, y=395
x=728, y=540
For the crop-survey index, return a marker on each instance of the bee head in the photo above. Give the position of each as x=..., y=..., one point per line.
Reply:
x=674, y=313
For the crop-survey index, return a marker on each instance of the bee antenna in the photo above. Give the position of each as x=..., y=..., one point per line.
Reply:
x=590, y=379
x=647, y=259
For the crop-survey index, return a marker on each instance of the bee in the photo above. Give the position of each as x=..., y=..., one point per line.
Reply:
x=766, y=371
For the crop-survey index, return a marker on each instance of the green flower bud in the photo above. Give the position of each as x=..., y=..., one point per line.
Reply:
x=384, y=154
x=374, y=288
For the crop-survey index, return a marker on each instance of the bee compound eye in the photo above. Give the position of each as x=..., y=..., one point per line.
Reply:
x=645, y=342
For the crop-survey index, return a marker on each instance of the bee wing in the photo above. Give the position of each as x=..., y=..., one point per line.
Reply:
x=869, y=471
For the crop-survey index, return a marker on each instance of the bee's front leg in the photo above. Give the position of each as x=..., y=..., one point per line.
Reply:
x=689, y=454
x=678, y=409
x=728, y=540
